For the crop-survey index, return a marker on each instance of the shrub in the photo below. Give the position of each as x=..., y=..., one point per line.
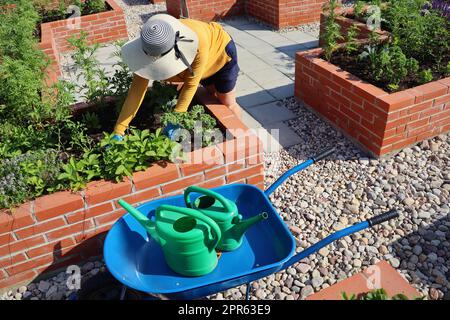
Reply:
x=390, y=65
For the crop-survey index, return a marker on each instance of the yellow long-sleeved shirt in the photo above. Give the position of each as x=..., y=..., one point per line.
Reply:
x=211, y=57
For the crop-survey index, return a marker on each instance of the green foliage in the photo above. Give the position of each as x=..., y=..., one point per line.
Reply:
x=425, y=76
x=163, y=96
x=27, y=176
x=48, y=12
x=358, y=8
x=447, y=69
x=195, y=121
x=115, y=160
x=332, y=33
x=422, y=35
x=91, y=120
x=94, y=6
x=389, y=64
x=96, y=84
x=377, y=294
x=351, y=45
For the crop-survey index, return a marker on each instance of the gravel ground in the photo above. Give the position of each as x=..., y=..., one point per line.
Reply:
x=342, y=190
x=137, y=12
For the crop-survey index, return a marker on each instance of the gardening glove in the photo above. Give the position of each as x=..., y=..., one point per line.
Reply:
x=170, y=130
x=117, y=137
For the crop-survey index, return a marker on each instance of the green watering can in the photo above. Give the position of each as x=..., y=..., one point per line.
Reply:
x=225, y=213
x=187, y=237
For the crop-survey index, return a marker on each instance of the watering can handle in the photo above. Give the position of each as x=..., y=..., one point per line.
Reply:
x=197, y=215
x=205, y=192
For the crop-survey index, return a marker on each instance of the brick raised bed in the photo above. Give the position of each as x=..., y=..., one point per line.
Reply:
x=362, y=283
x=102, y=27
x=285, y=13
x=277, y=13
x=47, y=234
x=207, y=10
x=379, y=122
x=345, y=23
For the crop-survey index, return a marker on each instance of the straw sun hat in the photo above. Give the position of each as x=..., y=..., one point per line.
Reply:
x=165, y=48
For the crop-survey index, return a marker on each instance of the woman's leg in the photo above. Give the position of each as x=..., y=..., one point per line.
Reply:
x=212, y=89
x=229, y=99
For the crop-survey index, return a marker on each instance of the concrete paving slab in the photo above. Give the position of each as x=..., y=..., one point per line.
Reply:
x=282, y=92
x=249, y=121
x=269, y=78
x=246, y=85
x=253, y=64
x=286, y=136
x=248, y=99
x=270, y=142
x=299, y=36
x=271, y=113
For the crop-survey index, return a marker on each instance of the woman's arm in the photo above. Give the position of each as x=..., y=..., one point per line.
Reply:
x=192, y=81
x=136, y=94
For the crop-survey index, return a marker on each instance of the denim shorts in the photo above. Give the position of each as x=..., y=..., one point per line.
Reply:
x=224, y=80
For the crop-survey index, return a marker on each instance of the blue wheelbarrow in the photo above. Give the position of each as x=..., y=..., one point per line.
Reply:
x=137, y=261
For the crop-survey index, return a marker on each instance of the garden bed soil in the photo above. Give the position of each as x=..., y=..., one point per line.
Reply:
x=361, y=69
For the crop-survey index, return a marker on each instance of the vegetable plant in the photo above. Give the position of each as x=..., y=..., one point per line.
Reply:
x=332, y=33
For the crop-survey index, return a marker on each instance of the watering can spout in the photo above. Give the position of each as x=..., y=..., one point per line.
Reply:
x=241, y=227
x=148, y=225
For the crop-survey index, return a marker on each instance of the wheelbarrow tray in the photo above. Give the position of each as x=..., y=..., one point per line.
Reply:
x=137, y=261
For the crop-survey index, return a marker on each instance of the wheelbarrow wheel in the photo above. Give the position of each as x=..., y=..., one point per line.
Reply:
x=103, y=286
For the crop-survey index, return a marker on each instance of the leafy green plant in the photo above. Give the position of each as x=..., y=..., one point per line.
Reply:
x=94, y=6
x=76, y=173
x=27, y=176
x=389, y=64
x=425, y=76
x=332, y=33
x=196, y=121
x=114, y=160
x=351, y=45
x=96, y=85
x=91, y=120
x=377, y=294
x=447, y=69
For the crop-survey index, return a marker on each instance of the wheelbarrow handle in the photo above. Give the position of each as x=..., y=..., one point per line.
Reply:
x=321, y=155
x=340, y=234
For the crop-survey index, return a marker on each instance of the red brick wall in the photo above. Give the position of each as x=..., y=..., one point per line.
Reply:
x=207, y=10
x=265, y=10
x=378, y=121
x=295, y=12
x=65, y=228
x=285, y=13
x=102, y=27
